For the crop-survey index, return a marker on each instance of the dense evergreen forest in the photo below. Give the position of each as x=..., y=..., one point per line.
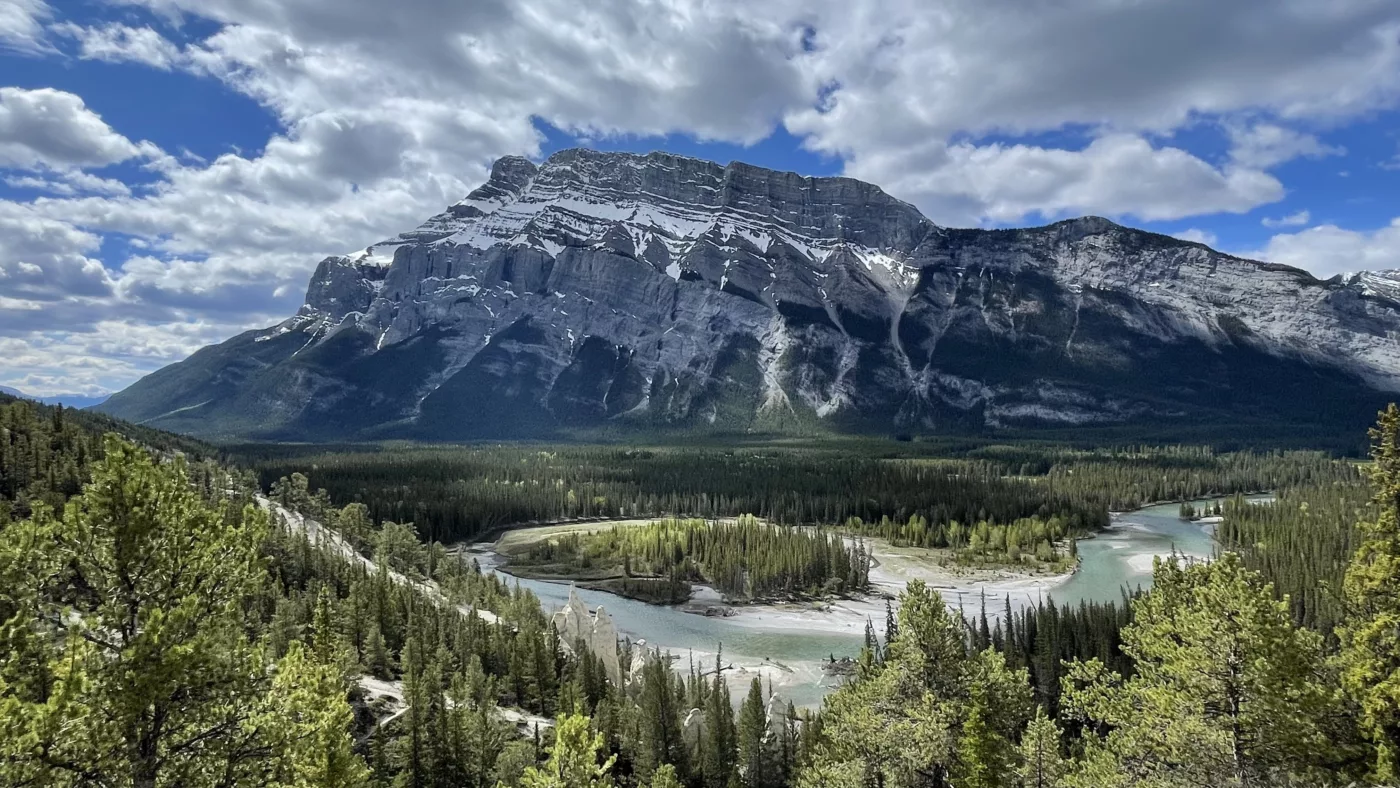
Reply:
x=157, y=628
x=1301, y=542
x=1032, y=542
x=160, y=630
x=746, y=559
x=47, y=452
x=455, y=493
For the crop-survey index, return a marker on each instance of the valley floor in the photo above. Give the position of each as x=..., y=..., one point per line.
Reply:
x=789, y=645
x=891, y=569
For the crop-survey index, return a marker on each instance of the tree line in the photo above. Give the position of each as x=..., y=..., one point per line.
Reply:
x=46, y=452
x=1044, y=543
x=1206, y=679
x=454, y=493
x=158, y=629
x=1302, y=542
x=745, y=559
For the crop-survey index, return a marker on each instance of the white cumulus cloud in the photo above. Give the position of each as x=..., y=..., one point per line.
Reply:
x=1267, y=145
x=117, y=43
x=1197, y=235
x=1299, y=219
x=53, y=128
x=1115, y=175
x=977, y=111
x=1327, y=249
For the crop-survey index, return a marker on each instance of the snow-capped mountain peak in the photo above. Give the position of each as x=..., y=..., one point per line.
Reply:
x=660, y=290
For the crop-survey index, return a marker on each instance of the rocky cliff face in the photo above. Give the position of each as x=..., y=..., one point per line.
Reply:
x=617, y=291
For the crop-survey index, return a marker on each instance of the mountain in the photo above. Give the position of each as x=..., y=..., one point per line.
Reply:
x=610, y=291
x=70, y=400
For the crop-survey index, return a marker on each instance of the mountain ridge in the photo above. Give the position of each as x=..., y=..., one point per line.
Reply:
x=70, y=400
x=649, y=291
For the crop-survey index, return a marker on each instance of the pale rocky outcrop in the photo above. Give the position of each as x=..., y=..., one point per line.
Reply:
x=640, y=655
x=595, y=631
x=693, y=727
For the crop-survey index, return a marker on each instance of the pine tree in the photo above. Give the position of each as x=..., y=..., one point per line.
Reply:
x=573, y=759
x=660, y=741
x=929, y=641
x=439, y=755
x=308, y=723
x=355, y=525
x=930, y=713
x=125, y=660
x=982, y=752
x=571, y=698
x=515, y=758
x=377, y=661
x=984, y=630
x=1041, y=764
x=476, y=739
x=284, y=627
x=717, y=753
x=665, y=777
x=1370, y=656
x=1225, y=692
x=379, y=758
x=787, y=747
x=870, y=657
x=415, y=771
x=325, y=641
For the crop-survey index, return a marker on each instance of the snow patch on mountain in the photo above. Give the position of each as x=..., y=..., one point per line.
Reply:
x=596, y=287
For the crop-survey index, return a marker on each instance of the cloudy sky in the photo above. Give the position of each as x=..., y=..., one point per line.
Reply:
x=172, y=170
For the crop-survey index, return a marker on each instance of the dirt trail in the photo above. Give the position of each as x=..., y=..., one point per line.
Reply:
x=322, y=536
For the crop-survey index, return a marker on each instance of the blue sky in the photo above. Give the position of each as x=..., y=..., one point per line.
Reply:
x=172, y=170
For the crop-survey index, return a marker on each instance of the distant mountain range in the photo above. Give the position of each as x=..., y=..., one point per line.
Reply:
x=619, y=293
x=70, y=400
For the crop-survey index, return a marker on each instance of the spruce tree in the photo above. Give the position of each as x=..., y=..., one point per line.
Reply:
x=755, y=752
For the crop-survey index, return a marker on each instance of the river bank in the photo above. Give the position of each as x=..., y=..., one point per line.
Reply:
x=790, y=645
x=892, y=567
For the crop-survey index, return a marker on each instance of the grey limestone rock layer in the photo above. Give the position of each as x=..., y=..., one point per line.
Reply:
x=608, y=291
